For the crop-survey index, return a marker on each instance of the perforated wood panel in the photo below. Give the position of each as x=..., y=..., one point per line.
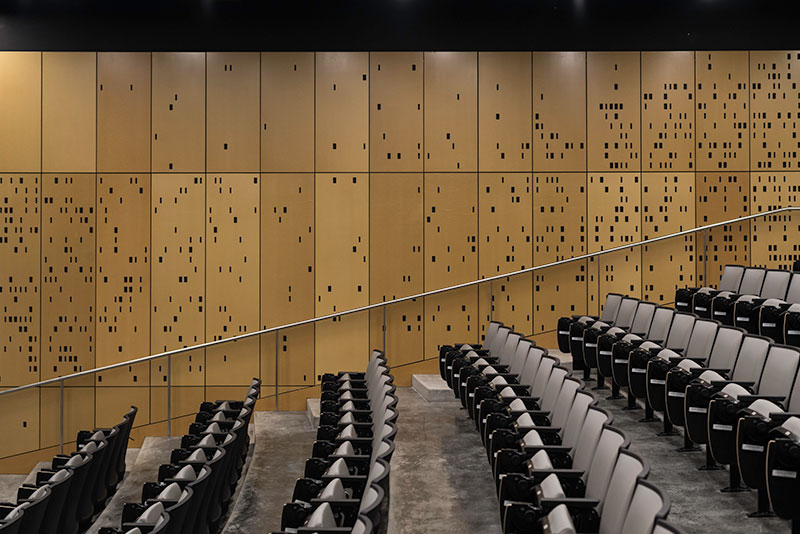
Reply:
x=721, y=197
x=451, y=132
x=20, y=285
x=722, y=114
x=450, y=318
x=668, y=111
x=232, y=85
x=287, y=275
x=613, y=111
x=559, y=111
x=69, y=111
x=559, y=216
x=396, y=263
x=620, y=272
x=178, y=275
x=614, y=210
x=68, y=274
x=123, y=112
x=668, y=202
x=20, y=112
x=342, y=112
x=78, y=412
x=287, y=112
x=232, y=276
x=558, y=291
x=123, y=276
x=776, y=237
x=20, y=415
x=504, y=231
x=342, y=242
x=179, y=112
x=504, y=104
x=774, y=103
x=395, y=111
x=342, y=343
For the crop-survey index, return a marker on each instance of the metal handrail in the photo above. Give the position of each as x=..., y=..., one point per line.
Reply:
x=313, y=320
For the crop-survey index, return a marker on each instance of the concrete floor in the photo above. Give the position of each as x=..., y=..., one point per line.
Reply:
x=441, y=481
x=282, y=445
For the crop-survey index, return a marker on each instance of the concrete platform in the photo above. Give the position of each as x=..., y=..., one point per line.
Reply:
x=282, y=445
x=431, y=388
x=154, y=452
x=313, y=411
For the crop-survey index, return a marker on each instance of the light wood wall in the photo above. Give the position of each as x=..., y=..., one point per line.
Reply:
x=157, y=200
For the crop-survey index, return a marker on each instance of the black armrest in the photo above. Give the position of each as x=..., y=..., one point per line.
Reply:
x=749, y=399
x=781, y=417
x=560, y=473
x=548, y=448
x=574, y=503
x=722, y=383
x=723, y=372
x=541, y=429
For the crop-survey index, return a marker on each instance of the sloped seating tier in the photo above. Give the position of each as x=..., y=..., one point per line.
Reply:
x=195, y=488
x=66, y=496
x=345, y=487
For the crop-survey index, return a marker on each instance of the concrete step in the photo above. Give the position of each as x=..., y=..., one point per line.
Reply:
x=154, y=452
x=313, y=411
x=282, y=445
x=431, y=388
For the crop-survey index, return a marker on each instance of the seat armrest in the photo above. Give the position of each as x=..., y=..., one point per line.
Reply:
x=780, y=417
x=723, y=372
x=548, y=448
x=575, y=503
x=560, y=473
x=749, y=399
x=541, y=429
x=722, y=383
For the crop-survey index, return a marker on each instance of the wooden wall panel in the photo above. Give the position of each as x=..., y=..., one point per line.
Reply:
x=451, y=130
x=774, y=101
x=559, y=216
x=504, y=109
x=287, y=275
x=342, y=242
x=20, y=283
x=614, y=210
x=613, y=111
x=123, y=276
x=451, y=257
x=721, y=197
x=20, y=416
x=668, y=203
x=287, y=112
x=123, y=111
x=620, y=272
x=396, y=263
x=232, y=102
x=559, y=111
x=79, y=405
x=558, y=291
x=177, y=318
x=774, y=238
x=68, y=273
x=342, y=112
x=722, y=112
x=342, y=260
x=395, y=113
x=504, y=230
x=232, y=277
x=668, y=111
x=20, y=112
x=179, y=112
x=69, y=112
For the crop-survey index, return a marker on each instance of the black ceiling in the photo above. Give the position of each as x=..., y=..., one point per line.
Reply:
x=398, y=24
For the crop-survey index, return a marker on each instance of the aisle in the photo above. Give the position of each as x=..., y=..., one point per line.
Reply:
x=441, y=481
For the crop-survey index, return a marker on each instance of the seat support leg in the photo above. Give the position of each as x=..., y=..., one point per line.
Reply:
x=763, y=506
x=614, y=392
x=649, y=416
x=735, y=482
x=668, y=430
x=601, y=382
x=795, y=526
x=587, y=374
x=688, y=444
x=631, y=402
x=711, y=464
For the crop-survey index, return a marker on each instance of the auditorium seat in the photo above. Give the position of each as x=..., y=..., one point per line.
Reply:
x=746, y=308
x=621, y=325
x=726, y=407
x=491, y=354
x=470, y=362
x=607, y=315
x=664, y=527
x=723, y=303
x=34, y=505
x=782, y=468
x=770, y=318
x=730, y=281
x=606, y=515
x=639, y=329
x=153, y=520
x=750, y=280
x=11, y=519
x=488, y=342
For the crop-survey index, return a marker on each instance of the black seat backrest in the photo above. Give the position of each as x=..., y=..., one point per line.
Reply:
x=59, y=483
x=86, y=503
x=34, y=512
x=12, y=523
x=124, y=439
x=70, y=519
